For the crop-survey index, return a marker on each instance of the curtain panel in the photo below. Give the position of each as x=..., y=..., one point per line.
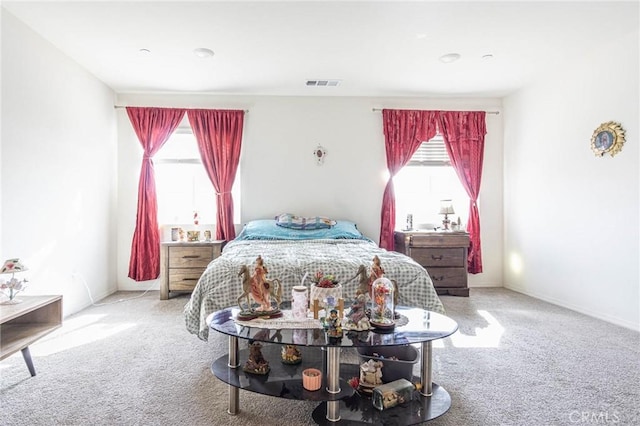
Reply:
x=463, y=133
x=153, y=126
x=404, y=131
x=219, y=136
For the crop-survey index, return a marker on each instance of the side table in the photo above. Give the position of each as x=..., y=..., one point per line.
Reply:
x=182, y=264
x=443, y=254
x=21, y=324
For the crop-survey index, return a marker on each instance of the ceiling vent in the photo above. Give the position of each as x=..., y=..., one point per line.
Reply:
x=323, y=83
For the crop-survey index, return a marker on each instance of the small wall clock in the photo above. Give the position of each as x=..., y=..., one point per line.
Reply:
x=608, y=138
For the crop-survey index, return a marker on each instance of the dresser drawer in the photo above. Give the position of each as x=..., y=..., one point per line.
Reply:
x=438, y=256
x=184, y=279
x=189, y=257
x=439, y=239
x=448, y=277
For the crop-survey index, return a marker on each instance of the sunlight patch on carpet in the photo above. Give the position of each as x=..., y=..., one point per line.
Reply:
x=486, y=337
x=78, y=331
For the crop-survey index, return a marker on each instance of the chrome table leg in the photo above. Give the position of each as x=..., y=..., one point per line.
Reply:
x=234, y=392
x=333, y=382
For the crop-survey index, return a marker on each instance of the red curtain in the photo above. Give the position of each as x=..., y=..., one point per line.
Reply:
x=404, y=131
x=153, y=126
x=463, y=133
x=219, y=136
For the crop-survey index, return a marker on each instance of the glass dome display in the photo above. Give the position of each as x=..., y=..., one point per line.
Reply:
x=382, y=304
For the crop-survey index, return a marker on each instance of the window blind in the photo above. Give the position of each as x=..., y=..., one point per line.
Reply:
x=431, y=153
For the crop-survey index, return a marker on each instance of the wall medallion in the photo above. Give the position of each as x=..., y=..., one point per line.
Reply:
x=608, y=138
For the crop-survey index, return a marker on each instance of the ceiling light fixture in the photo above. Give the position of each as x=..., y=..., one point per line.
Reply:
x=203, y=52
x=144, y=51
x=449, y=58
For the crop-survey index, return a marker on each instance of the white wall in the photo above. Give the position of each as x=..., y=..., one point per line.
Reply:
x=58, y=169
x=278, y=172
x=571, y=218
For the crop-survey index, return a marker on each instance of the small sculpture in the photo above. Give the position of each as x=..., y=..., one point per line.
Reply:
x=370, y=375
x=334, y=324
x=378, y=272
x=256, y=363
x=363, y=283
x=260, y=289
x=357, y=317
x=259, y=285
x=291, y=354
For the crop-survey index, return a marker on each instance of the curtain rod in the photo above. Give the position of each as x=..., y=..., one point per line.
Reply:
x=124, y=106
x=488, y=112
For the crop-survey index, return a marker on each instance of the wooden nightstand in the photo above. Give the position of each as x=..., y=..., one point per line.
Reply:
x=442, y=254
x=182, y=264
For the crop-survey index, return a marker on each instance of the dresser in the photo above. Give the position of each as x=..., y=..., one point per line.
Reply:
x=182, y=264
x=442, y=254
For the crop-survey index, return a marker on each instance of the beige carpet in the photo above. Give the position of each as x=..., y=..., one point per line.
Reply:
x=514, y=361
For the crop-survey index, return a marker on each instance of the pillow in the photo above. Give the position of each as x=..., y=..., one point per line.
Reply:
x=266, y=229
x=288, y=220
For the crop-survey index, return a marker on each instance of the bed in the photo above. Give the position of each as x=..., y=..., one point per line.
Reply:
x=293, y=251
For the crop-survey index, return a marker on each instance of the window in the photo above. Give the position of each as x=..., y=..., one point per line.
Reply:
x=423, y=182
x=182, y=184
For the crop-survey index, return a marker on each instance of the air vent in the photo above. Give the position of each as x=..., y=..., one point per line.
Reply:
x=323, y=83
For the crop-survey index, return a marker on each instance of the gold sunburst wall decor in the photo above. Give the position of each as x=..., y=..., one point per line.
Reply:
x=607, y=138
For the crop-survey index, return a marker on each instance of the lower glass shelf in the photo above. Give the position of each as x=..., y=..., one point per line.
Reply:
x=283, y=380
x=358, y=410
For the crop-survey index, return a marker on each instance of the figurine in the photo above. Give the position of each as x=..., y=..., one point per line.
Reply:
x=363, y=283
x=378, y=272
x=370, y=375
x=357, y=317
x=260, y=288
x=291, y=354
x=334, y=324
x=256, y=363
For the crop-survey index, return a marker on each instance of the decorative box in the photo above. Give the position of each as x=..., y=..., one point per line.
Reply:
x=392, y=394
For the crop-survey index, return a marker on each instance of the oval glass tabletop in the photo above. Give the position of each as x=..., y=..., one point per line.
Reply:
x=417, y=326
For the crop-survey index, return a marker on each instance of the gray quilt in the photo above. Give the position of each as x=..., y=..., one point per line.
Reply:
x=220, y=286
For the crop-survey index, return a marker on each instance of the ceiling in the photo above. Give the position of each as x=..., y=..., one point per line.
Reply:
x=373, y=48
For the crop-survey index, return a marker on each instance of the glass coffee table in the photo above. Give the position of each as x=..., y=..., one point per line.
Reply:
x=338, y=401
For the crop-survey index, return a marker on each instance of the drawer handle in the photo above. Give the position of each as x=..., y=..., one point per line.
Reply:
x=434, y=257
x=440, y=278
x=190, y=279
x=192, y=256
